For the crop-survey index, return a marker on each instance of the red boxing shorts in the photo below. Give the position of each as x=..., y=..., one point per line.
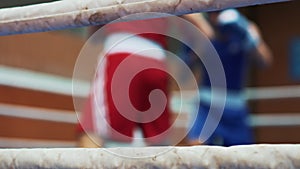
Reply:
x=121, y=95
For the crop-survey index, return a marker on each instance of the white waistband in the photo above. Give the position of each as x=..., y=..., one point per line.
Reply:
x=126, y=42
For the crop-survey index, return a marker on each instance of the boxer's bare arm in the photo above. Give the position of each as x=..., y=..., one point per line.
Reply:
x=262, y=54
x=200, y=22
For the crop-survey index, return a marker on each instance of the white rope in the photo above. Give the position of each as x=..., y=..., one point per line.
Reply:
x=283, y=119
x=34, y=143
x=76, y=13
x=205, y=157
x=273, y=92
x=63, y=116
x=23, y=78
x=44, y=114
x=33, y=80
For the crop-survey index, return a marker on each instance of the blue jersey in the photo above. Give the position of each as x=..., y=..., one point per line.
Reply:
x=233, y=44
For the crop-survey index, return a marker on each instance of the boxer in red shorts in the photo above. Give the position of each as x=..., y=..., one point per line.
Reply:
x=101, y=114
x=132, y=41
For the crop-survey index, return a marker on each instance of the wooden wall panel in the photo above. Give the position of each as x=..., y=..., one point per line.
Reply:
x=278, y=135
x=11, y=95
x=289, y=105
x=279, y=24
x=36, y=129
x=50, y=52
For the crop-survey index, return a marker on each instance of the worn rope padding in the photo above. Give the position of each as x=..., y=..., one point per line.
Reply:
x=250, y=157
x=76, y=13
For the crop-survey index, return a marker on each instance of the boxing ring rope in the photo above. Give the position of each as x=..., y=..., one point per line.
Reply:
x=67, y=14
x=37, y=81
x=10, y=142
x=251, y=156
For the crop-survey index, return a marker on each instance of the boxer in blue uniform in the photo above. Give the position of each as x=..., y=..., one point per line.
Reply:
x=237, y=40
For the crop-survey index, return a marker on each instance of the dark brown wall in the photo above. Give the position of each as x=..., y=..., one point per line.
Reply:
x=51, y=52
x=279, y=23
x=36, y=129
x=18, y=96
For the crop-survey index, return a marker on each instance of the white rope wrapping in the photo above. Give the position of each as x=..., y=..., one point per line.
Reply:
x=76, y=13
x=204, y=157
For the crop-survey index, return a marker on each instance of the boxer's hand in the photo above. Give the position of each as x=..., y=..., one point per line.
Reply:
x=89, y=141
x=195, y=143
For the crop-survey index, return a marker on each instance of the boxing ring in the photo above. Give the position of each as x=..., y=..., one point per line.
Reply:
x=72, y=14
x=252, y=156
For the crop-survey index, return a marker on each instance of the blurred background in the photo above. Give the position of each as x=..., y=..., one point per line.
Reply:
x=36, y=105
